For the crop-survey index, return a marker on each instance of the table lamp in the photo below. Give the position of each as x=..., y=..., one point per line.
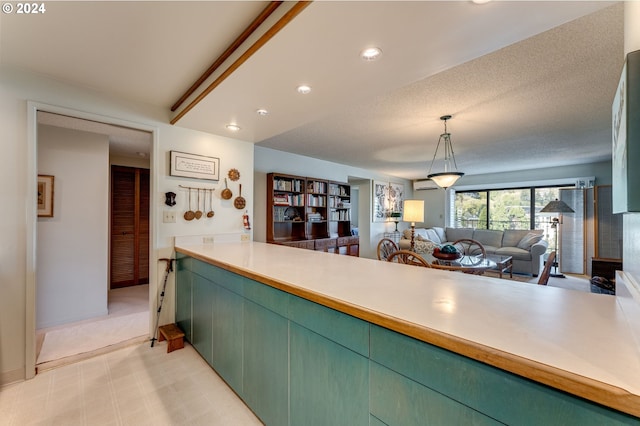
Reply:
x=395, y=217
x=413, y=211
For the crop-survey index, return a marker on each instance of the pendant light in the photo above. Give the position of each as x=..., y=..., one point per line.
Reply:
x=451, y=174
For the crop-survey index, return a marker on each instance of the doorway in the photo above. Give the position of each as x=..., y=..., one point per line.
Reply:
x=89, y=124
x=129, y=264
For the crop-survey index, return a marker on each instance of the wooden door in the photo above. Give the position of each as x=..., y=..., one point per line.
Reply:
x=129, y=226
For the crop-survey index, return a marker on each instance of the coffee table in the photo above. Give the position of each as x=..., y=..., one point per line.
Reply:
x=503, y=264
x=467, y=264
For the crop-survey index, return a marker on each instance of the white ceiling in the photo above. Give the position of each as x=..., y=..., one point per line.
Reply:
x=529, y=84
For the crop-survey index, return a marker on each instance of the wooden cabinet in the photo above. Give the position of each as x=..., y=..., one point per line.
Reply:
x=304, y=244
x=310, y=213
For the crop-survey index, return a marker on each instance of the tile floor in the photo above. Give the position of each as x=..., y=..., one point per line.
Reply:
x=136, y=385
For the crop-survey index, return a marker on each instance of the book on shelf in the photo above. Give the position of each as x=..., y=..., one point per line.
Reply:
x=291, y=185
x=281, y=200
x=316, y=200
x=288, y=200
x=314, y=217
x=316, y=187
x=338, y=190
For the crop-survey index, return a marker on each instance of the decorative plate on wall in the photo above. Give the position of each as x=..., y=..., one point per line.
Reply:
x=234, y=174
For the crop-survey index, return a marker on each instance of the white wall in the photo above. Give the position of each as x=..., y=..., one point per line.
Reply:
x=18, y=87
x=269, y=160
x=72, y=246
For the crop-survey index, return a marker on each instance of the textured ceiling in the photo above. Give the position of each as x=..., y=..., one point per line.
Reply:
x=545, y=101
x=529, y=84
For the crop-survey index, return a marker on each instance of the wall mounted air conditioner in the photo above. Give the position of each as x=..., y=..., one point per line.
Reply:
x=424, y=184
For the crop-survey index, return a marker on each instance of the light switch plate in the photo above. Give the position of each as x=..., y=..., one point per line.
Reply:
x=169, y=216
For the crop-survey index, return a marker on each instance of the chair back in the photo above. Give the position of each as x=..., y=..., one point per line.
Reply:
x=470, y=247
x=546, y=272
x=408, y=257
x=385, y=248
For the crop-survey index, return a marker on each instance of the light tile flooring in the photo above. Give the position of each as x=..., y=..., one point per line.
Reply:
x=136, y=385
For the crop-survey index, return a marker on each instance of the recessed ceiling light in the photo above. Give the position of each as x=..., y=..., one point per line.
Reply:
x=262, y=111
x=480, y=1
x=371, y=53
x=233, y=127
x=304, y=89
x=141, y=154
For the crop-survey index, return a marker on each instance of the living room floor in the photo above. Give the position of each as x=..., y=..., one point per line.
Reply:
x=570, y=282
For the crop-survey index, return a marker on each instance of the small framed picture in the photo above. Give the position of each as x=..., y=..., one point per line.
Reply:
x=45, y=196
x=194, y=166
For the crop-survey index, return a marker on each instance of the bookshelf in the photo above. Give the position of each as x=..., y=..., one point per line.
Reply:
x=285, y=208
x=310, y=213
x=339, y=209
x=316, y=209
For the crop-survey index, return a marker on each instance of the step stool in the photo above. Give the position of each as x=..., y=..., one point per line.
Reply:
x=173, y=335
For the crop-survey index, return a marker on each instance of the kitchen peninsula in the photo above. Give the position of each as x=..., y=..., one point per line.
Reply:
x=306, y=337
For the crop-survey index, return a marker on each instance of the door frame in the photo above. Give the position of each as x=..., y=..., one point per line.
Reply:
x=31, y=171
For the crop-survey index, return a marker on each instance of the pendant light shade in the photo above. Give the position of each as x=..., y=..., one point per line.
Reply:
x=450, y=174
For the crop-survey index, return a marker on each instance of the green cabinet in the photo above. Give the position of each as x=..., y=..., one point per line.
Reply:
x=295, y=362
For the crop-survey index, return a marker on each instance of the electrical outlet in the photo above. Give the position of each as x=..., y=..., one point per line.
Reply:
x=207, y=240
x=244, y=237
x=169, y=216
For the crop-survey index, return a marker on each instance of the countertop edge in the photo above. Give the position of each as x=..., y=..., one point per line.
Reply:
x=578, y=385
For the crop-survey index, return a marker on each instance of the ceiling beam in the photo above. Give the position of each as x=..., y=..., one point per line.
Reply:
x=270, y=33
x=272, y=6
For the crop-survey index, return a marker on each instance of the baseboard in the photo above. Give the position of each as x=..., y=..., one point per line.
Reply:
x=12, y=376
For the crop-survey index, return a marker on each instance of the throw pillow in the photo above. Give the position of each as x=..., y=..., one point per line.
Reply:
x=528, y=240
x=425, y=246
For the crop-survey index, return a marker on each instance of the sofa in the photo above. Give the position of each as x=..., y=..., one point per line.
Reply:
x=525, y=246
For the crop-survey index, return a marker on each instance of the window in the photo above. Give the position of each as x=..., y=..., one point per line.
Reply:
x=502, y=209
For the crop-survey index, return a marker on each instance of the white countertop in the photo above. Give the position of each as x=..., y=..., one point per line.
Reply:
x=576, y=341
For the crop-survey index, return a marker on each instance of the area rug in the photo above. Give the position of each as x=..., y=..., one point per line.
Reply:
x=92, y=336
x=570, y=282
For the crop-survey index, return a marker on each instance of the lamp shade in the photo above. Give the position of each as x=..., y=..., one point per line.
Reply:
x=557, y=206
x=445, y=180
x=413, y=211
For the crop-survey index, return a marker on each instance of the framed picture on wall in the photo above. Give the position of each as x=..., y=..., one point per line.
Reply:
x=396, y=195
x=380, y=201
x=194, y=166
x=45, y=196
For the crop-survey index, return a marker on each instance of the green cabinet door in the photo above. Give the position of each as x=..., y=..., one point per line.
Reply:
x=183, y=296
x=227, y=329
x=202, y=318
x=329, y=383
x=266, y=367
